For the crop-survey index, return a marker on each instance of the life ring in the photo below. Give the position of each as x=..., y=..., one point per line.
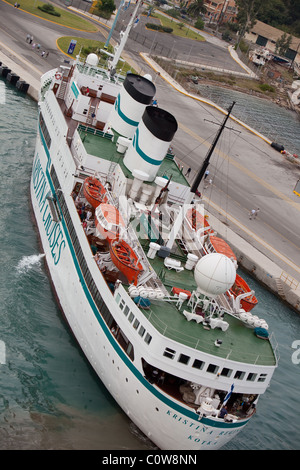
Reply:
x=58, y=76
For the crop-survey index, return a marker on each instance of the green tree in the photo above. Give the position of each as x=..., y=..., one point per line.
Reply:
x=107, y=6
x=247, y=14
x=275, y=13
x=196, y=8
x=282, y=44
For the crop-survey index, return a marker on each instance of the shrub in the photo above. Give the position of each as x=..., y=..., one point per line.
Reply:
x=158, y=27
x=226, y=36
x=266, y=87
x=174, y=13
x=199, y=23
x=47, y=8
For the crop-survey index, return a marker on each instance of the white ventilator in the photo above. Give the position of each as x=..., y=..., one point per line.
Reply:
x=151, y=141
x=137, y=93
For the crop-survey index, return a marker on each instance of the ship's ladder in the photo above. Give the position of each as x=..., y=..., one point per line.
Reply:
x=110, y=171
x=62, y=90
x=183, y=246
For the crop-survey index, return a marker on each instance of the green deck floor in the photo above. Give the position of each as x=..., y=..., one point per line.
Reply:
x=102, y=147
x=239, y=343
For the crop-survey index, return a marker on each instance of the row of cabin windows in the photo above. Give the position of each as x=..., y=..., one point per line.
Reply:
x=45, y=131
x=103, y=309
x=133, y=320
x=213, y=368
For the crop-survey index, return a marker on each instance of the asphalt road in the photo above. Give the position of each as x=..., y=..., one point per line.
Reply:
x=247, y=173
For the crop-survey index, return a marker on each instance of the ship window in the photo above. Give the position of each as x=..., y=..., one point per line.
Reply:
x=45, y=131
x=251, y=377
x=198, y=364
x=118, y=298
x=212, y=368
x=125, y=344
x=136, y=324
x=239, y=375
x=142, y=331
x=130, y=351
x=126, y=310
x=148, y=338
x=170, y=353
x=99, y=301
x=262, y=377
x=226, y=372
x=105, y=313
x=183, y=359
x=122, y=303
x=131, y=317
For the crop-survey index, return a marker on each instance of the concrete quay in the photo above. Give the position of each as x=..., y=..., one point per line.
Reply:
x=249, y=258
x=23, y=69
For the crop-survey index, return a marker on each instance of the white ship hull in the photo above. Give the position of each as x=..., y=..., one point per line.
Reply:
x=170, y=424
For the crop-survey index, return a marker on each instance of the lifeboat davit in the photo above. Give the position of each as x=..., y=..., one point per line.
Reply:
x=94, y=191
x=240, y=287
x=197, y=221
x=109, y=222
x=126, y=260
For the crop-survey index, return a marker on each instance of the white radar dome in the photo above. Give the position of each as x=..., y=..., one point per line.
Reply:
x=214, y=274
x=92, y=59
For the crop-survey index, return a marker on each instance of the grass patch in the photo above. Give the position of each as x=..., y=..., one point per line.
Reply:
x=184, y=31
x=87, y=46
x=66, y=18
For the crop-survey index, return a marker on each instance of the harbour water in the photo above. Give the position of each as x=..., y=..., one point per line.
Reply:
x=49, y=396
x=277, y=123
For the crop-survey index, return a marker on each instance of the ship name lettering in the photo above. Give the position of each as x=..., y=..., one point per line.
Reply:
x=52, y=229
x=199, y=440
x=112, y=460
x=186, y=421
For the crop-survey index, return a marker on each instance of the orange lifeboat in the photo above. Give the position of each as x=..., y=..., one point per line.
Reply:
x=109, y=222
x=94, y=191
x=240, y=287
x=218, y=245
x=126, y=260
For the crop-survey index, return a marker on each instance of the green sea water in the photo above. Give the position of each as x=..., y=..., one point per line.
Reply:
x=50, y=397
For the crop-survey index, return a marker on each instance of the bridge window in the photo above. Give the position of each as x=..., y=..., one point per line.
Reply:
x=212, y=368
x=239, y=375
x=226, y=372
x=183, y=359
x=170, y=353
x=197, y=364
x=251, y=377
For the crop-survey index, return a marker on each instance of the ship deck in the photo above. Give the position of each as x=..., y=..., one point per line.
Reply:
x=106, y=149
x=239, y=342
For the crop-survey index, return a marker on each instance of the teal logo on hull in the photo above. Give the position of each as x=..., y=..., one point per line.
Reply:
x=52, y=228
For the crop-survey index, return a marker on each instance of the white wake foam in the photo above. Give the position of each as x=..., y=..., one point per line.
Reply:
x=28, y=262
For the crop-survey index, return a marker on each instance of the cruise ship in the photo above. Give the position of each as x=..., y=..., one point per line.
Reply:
x=123, y=234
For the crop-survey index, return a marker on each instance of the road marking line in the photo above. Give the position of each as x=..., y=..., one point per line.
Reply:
x=243, y=169
x=253, y=235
